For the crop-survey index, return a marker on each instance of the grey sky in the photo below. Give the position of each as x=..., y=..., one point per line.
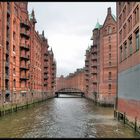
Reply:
x=68, y=27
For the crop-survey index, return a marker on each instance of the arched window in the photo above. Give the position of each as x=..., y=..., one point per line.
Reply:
x=110, y=48
x=109, y=76
x=109, y=86
x=109, y=30
x=14, y=83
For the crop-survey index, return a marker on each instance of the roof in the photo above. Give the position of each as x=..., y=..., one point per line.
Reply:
x=114, y=17
x=98, y=26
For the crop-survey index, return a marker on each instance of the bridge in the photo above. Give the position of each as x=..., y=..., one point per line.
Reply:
x=70, y=91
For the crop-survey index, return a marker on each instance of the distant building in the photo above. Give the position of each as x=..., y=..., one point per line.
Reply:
x=101, y=62
x=73, y=80
x=128, y=17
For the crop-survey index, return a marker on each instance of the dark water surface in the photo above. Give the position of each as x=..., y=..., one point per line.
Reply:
x=64, y=118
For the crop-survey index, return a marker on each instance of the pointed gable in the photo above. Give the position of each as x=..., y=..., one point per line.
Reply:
x=109, y=25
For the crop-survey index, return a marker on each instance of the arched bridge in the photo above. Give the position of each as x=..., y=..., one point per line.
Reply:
x=70, y=91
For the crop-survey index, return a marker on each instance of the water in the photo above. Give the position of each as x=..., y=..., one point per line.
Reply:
x=64, y=118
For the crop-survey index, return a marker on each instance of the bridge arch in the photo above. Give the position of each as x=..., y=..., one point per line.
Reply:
x=70, y=91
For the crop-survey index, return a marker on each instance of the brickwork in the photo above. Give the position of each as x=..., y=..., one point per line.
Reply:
x=22, y=66
x=73, y=80
x=101, y=62
x=128, y=17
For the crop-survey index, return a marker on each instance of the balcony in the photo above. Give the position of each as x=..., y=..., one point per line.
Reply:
x=7, y=76
x=95, y=82
x=24, y=77
x=8, y=24
x=24, y=57
x=7, y=38
x=24, y=67
x=45, y=84
x=8, y=10
x=94, y=72
x=94, y=65
x=94, y=52
x=87, y=74
x=52, y=82
x=25, y=34
x=45, y=59
x=24, y=46
x=25, y=24
x=6, y=64
x=45, y=72
x=7, y=51
x=94, y=58
x=86, y=79
x=45, y=77
x=45, y=67
x=45, y=54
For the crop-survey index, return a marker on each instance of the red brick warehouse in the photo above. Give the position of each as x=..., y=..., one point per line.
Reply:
x=128, y=17
x=101, y=62
x=23, y=71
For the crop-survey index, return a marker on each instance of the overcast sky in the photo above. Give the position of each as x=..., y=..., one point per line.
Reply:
x=68, y=27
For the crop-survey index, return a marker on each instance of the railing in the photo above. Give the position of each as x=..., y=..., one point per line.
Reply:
x=24, y=33
x=24, y=56
x=25, y=24
x=25, y=46
x=25, y=67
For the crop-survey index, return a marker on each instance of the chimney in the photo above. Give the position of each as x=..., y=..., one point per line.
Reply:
x=109, y=10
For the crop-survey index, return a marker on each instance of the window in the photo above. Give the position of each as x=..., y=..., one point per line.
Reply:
x=121, y=54
x=110, y=56
x=14, y=83
x=130, y=45
x=136, y=15
x=109, y=39
x=110, y=48
x=14, y=35
x=137, y=40
x=120, y=36
x=14, y=59
x=109, y=86
x=109, y=76
x=14, y=71
x=109, y=63
x=120, y=20
x=124, y=31
x=109, y=30
x=14, y=48
x=125, y=50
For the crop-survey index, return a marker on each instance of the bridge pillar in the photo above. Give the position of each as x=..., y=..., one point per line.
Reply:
x=57, y=94
x=82, y=94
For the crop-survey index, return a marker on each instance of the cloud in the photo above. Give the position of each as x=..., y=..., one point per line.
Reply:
x=68, y=27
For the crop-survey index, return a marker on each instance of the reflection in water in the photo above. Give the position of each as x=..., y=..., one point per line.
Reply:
x=64, y=117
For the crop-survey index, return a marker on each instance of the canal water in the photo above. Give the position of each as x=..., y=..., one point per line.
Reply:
x=64, y=118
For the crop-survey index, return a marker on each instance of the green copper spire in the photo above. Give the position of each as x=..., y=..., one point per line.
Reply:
x=98, y=26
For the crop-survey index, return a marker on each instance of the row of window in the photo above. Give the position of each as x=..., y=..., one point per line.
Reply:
x=127, y=48
x=126, y=9
x=132, y=20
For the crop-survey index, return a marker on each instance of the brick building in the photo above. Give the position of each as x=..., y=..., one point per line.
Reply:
x=101, y=62
x=128, y=17
x=21, y=51
x=73, y=80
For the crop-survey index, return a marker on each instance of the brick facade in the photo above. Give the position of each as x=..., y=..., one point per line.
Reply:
x=22, y=52
x=101, y=62
x=73, y=80
x=128, y=17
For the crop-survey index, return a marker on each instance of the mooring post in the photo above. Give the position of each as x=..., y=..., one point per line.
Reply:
x=135, y=127
x=124, y=117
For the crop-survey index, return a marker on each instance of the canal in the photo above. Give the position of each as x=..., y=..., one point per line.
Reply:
x=64, y=118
